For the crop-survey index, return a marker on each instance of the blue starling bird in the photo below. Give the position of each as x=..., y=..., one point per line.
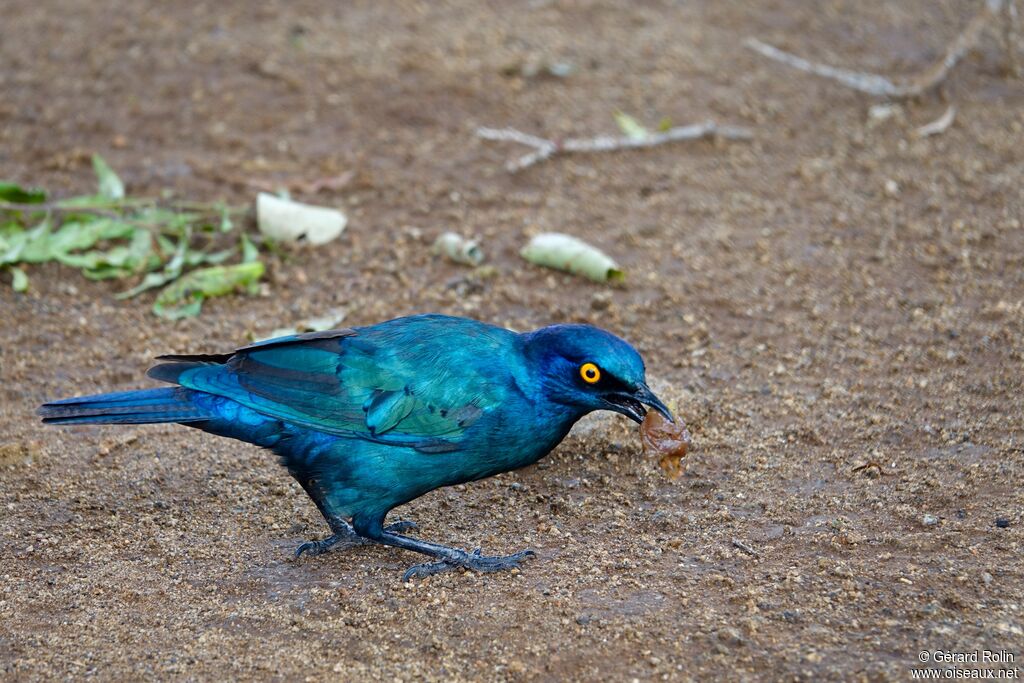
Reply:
x=369, y=418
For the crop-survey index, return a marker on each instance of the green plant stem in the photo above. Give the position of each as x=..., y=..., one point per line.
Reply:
x=100, y=208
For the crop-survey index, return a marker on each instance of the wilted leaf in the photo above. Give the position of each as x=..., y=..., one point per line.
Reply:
x=33, y=246
x=287, y=221
x=630, y=126
x=564, y=252
x=117, y=262
x=75, y=236
x=12, y=242
x=149, y=282
x=16, y=194
x=172, y=269
x=185, y=296
x=106, y=235
x=177, y=261
x=110, y=186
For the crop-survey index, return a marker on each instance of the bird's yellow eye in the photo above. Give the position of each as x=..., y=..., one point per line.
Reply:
x=590, y=373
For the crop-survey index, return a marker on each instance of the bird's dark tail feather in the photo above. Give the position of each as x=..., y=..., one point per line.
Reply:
x=126, y=407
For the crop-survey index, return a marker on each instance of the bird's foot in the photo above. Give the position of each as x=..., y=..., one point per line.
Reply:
x=323, y=545
x=474, y=561
x=401, y=525
x=346, y=535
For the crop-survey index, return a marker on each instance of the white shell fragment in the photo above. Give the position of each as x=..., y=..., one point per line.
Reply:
x=565, y=252
x=459, y=249
x=287, y=221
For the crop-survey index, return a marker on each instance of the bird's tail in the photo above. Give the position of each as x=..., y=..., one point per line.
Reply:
x=146, y=406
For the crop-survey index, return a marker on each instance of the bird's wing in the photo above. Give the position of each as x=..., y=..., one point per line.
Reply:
x=420, y=393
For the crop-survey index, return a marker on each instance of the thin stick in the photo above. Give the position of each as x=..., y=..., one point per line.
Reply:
x=874, y=84
x=545, y=149
x=745, y=548
x=939, y=125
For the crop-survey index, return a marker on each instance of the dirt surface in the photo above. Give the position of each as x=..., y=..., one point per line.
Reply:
x=834, y=294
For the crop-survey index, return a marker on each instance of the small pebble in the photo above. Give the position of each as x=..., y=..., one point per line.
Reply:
x=1002, y=522
x=929, y=520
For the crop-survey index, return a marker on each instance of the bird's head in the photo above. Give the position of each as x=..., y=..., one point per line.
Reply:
x=589, y=369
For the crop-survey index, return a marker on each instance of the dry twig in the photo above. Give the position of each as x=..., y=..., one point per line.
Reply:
x=545, y=149
x=737, y=543
x=874, y=84
x=939, y=125
x=872, y=466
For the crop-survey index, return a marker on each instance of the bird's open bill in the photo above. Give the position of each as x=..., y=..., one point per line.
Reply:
x=631, y=404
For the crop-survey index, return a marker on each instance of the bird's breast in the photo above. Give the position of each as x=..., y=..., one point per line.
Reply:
x=521, y=434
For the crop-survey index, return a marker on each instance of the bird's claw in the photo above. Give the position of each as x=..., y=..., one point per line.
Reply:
x=421, y=571
x=473, y=561
x=348, y=538
x=317, y=547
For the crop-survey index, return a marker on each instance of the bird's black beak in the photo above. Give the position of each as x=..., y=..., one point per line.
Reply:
x=632, y=404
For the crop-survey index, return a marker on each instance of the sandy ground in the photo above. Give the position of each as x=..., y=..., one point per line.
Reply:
x=833, y=294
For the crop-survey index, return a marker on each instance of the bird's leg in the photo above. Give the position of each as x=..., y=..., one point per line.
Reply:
x=342, y=530
x=345, y=534
x=448, y=558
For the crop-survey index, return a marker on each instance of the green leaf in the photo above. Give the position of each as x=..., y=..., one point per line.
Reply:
x=106, y=235
x=177, y=261
x=185, y=310
x=90, y=260
x=83, y=235
x=16, y=194
x=107, y=271
x=170, y=272
x=630, y=126
x=140, y=249
x=249, y=251
x=149, y=282
x=19, y=281
x=110, y=186
x=166, y=245
x=226, y=225
x=36, y=245
x=117, y=262
x=664, y=125
x=185, y=296
x=170, y=222
x=12, y=243
x=196, y=258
